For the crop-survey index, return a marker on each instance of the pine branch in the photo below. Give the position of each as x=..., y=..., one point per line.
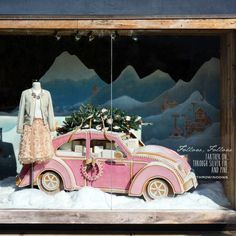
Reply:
x=100, y=118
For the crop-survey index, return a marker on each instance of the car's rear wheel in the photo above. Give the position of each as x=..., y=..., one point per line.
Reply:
x=50, y=182
x=155, y=189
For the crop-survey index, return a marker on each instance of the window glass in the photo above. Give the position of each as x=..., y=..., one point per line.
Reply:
x=159, y=95
x=76, y=147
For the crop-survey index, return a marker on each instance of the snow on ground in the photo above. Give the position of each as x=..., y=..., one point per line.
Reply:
x=206, y=196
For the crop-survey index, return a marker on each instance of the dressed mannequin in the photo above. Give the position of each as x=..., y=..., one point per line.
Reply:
x=36, y=88
x=35, y=121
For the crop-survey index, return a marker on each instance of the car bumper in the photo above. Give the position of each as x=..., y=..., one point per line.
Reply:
x=190, y=181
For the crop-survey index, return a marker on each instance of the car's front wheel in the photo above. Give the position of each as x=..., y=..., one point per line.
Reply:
x=155, y=189
x=50, y=182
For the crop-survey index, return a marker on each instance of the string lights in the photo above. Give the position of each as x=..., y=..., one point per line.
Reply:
x=77, y=36
x=91, y=35
x=57, y=36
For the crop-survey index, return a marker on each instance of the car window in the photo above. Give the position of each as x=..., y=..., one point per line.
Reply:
x=75, y=147
x=132, y=142
x=106, y=149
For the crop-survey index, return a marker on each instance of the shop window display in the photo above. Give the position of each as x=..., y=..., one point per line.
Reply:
x=168, y=85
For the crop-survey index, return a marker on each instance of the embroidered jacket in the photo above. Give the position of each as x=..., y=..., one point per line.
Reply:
x=27, y=109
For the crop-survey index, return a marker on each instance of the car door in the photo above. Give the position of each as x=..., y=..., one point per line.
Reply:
x=114, y=164
x=73, y=153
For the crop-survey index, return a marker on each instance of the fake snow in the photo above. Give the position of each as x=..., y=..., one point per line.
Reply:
x=206, y=196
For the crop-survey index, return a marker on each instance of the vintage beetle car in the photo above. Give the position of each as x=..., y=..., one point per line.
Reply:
x=111, y=161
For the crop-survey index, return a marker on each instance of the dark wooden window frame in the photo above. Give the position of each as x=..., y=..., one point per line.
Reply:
x=224, y=28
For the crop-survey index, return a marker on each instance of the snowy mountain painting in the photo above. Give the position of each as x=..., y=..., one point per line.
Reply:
x=70, y=82
x=165, y=123
x=180, y=112
x=130, y=84
x=206, y=81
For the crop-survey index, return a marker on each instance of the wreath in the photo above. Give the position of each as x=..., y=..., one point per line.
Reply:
x=92, y=171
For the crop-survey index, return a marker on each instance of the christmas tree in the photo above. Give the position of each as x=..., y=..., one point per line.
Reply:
x=100, y=118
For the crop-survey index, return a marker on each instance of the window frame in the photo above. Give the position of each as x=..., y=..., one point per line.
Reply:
x=224, y=28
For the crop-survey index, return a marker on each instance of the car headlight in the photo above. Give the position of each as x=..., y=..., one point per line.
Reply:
x=185, y=157
x=181, y=169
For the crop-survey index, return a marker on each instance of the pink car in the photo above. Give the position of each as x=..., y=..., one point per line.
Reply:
x=112, y=162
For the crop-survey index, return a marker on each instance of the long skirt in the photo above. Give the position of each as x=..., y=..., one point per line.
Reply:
x=36, y=143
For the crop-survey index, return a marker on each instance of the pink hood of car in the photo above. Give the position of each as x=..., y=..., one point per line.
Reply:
x=158, y=152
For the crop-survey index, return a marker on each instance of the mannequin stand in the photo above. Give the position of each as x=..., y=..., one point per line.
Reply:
x=32, y=175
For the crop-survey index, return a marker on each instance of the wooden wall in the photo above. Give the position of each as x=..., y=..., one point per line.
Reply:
x=113, y=24
x=228, y=109
x=115, y=8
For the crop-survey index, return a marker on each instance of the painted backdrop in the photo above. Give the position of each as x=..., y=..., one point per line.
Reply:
x=181, y=113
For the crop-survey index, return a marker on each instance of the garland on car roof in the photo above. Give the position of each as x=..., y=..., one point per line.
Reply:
x=90, y=117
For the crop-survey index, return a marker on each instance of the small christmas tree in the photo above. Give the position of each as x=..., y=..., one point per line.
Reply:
x=100, y=118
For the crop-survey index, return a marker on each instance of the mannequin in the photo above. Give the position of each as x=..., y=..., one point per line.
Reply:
x=35, y=121
x=36, y=85
x=36, y=88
